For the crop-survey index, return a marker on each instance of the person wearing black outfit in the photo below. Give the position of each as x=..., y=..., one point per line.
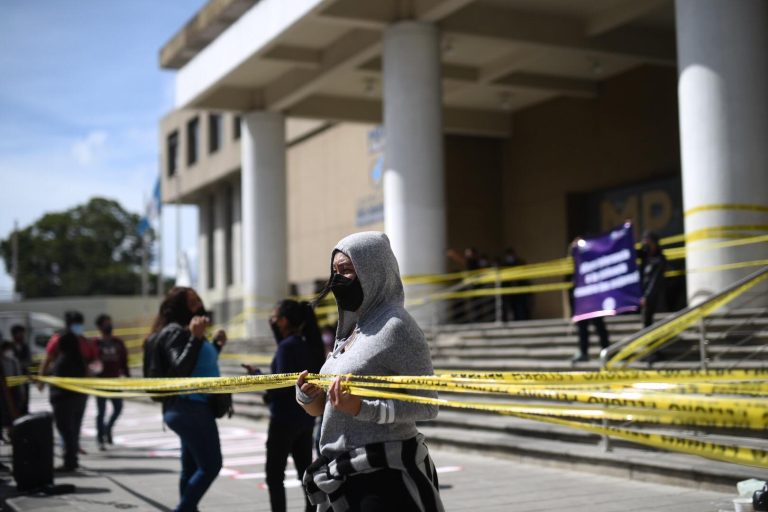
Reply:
x=177, y=347
x=515, y=306
x=582, y=326
x=653, y=264
x=11, y=398
x=65, y=355
x=24, y=356
x=299, y=347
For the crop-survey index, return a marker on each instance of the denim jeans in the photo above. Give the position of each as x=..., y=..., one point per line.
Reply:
x=103, y=429
x=195, y=425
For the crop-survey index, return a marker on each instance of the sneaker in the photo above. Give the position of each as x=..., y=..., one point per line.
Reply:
x=65, y=469
x=578, y=357
x=81, y=451
x=102, y=447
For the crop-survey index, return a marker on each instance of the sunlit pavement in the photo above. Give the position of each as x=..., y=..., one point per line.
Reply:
x=140, y=472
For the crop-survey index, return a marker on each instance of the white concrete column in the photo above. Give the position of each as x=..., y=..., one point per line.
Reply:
x=237, y=238
x=264, y=216
x=202, y=249
x=220, y=252
x=723, y=79
x=414, y=195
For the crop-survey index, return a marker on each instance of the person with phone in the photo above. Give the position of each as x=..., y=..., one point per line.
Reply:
x=178, y=347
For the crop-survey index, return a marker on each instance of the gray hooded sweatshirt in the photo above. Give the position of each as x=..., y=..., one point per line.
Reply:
x=388, y=342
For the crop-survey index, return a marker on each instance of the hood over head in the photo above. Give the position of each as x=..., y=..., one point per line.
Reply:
x=379, y=276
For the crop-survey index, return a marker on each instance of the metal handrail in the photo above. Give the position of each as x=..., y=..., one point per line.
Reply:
x=607, y=352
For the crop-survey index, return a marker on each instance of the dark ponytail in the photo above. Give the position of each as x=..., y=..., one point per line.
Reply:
x=301, y=318
x=313, y=336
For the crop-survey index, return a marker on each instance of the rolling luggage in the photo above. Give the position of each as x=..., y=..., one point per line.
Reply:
x=32, y=441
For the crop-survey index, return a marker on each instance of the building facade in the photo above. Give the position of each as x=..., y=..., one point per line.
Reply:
x=456, y=123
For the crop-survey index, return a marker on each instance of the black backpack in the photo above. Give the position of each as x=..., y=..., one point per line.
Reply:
x=155, y=362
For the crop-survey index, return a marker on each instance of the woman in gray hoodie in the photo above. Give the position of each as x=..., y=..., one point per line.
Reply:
x=372, y=456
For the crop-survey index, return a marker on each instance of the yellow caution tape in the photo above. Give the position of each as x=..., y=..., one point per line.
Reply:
x=648, y=397
x=654, y=339
x=746, y=418
x=726, y=206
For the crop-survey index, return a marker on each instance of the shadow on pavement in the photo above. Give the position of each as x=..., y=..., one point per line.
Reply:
x=134, y=471
x=145, y=499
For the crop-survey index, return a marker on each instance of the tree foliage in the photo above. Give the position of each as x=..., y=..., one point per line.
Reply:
x=92, y=249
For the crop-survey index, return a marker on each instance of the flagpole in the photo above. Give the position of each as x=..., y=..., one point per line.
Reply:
x=178, y=227
x=144, y=266
x=160, y=287
x=15, y=261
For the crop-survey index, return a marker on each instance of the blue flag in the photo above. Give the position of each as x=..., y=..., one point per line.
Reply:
x=152, y=210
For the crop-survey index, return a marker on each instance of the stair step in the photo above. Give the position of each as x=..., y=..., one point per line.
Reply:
x=624, y=461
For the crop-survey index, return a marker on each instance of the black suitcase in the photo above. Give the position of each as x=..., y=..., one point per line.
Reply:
x=32, y=441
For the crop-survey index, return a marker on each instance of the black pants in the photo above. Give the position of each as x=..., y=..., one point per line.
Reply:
x=284, y=439
x=68, y=411
x=104, y=430
x=602, y=333
x=648, y=311
x=380, y=491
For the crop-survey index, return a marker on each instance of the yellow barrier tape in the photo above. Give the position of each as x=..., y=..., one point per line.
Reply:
x=726, y=206
x=493, y=276
x=655, y=338
x=746, y=419
x=735, y=454
x=646, y=408
x=719, y=451
x=652, y=408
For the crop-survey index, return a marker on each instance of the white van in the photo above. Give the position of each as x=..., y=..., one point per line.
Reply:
x=40, y=327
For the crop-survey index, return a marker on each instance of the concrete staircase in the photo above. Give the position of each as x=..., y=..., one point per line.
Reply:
x=547, y=345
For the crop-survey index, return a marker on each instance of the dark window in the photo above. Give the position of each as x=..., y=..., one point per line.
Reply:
x=211, y=242
x=214, y=132
x=172, y=150
x=193, y=137
x=228, y=221
x=236, y=127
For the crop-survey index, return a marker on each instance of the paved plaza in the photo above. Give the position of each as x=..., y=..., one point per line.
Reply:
x=140, y=473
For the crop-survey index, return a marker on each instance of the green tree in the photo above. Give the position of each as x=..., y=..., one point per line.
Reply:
x=92, y=249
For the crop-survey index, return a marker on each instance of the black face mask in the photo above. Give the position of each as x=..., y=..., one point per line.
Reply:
x=191, y=314
x=276, y=331
x=348, y=292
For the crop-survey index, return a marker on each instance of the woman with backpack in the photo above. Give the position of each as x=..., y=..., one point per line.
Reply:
x=177, y=347
x=299, y=347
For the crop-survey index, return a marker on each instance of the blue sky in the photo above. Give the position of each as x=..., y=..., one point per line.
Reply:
x=80, y=98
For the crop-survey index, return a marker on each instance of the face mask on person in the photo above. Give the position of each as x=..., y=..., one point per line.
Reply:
x=348, y=292
x=77, y=329
x=276, y=331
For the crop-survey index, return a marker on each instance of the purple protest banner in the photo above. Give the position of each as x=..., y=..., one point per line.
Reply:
x=605, y=279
